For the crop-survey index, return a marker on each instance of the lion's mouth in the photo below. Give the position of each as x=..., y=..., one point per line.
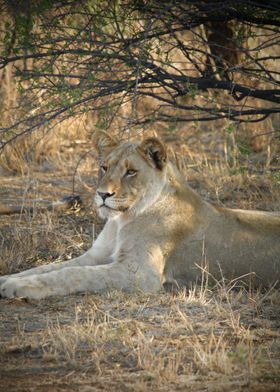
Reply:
x=119, y=209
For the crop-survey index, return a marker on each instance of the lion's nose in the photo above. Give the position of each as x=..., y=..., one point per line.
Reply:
x=105, y=195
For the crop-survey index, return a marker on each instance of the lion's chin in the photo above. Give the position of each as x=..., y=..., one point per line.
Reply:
x=106, y=212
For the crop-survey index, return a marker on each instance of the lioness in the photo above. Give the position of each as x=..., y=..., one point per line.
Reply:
x=158, y=231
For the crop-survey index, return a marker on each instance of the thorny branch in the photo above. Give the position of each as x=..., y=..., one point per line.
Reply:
x=193, y=60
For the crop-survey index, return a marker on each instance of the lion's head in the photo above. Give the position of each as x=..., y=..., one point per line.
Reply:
x=132, y=175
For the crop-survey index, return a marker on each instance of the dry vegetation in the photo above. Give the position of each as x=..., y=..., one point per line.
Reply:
x=201, y=340
x=222, y=338
x=211, y=338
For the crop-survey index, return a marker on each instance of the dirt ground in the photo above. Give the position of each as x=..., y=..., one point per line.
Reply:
x=206, y=339
x=115, y=342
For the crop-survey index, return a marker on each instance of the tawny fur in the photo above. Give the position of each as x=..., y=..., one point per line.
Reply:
x=158, y=232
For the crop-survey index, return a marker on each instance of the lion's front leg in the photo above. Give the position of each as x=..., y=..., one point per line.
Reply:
x=85, y=259
x=97, y=279
x=99, y=253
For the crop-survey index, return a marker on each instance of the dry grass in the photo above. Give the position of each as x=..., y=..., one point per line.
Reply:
x=224, y=338
x=158, y=342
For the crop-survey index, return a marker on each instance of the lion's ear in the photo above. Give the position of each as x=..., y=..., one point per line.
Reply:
x=104, y=142
x=155, y=151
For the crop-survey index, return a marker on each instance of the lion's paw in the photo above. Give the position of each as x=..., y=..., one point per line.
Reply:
x=23, y=287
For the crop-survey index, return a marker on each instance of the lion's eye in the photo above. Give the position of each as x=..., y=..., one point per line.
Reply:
x=103, y=169
x=130, y=173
